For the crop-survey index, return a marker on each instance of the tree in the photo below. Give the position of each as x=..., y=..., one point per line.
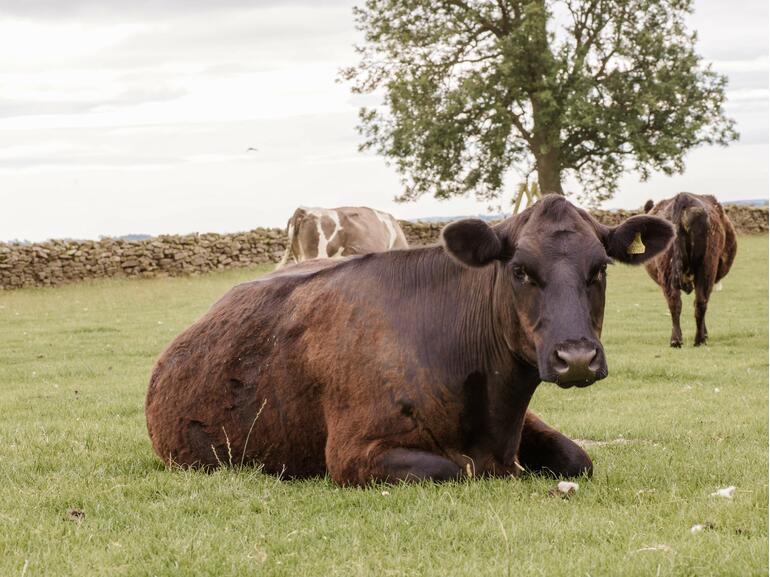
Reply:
x=593, y=88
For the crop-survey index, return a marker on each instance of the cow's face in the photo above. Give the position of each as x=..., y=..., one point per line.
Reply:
x=554, y=261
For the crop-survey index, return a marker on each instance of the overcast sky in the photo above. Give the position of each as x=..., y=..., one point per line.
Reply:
x=122, y=117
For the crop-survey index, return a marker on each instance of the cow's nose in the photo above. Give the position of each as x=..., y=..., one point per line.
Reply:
x=576, y=365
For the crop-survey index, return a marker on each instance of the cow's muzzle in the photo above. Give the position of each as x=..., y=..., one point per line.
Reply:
x=577, y=364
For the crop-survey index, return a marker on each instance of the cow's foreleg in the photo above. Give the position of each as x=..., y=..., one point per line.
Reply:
x=543, y=449
x=390, y=466
x=674, y=299
x=403, y=464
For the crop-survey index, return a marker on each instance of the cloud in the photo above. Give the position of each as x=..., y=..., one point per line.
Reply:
x=10, y=108
x=281, y=142
x=144, y=9
x=735, y=30
x=78, y=151
x=235, y=41
x=79, y=162
x=756, y=64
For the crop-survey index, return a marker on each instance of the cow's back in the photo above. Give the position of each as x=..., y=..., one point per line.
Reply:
x=366, y=230
x=232, y=388
x=337, y=232
x=705, y=239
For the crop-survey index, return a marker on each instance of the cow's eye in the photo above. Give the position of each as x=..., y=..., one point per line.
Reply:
x=598, y=275
x=521, y=275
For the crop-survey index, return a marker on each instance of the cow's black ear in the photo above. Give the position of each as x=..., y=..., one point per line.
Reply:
x=472, y=242
x=638, y=239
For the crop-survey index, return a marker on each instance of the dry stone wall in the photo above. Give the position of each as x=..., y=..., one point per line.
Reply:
x=747, y=220
x=61, y=261
x=57, y=261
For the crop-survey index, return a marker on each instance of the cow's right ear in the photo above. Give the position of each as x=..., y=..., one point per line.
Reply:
x=472, y=242
x=638, y=238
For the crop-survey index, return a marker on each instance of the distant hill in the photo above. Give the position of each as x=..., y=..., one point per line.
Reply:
x=753, y=202
x=133, y=237
x=487, y=217
x=757, y=202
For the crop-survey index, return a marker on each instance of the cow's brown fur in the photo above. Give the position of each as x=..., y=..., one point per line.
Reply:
x=701, y=256
x=404, y=365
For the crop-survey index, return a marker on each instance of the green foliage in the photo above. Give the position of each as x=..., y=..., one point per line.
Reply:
x=74, y=366
x=588, y=87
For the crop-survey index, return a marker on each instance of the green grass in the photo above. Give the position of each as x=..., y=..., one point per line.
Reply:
x=678, y=424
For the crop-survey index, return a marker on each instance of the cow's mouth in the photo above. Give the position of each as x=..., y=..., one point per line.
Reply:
x=576, y=383
x=580, y=380
x=575, y=379
x=577, y=363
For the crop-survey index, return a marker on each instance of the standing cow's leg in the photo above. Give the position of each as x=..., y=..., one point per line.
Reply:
x=674, y=298
x=703, y=285
x=543, y=449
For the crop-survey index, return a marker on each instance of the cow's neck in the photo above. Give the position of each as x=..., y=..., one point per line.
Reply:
x=498, y=384
x=473, y=311
x=470, y=346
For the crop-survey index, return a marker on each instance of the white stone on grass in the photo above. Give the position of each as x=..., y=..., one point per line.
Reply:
x=565, y=489
x=727, y=492
x=701, y=527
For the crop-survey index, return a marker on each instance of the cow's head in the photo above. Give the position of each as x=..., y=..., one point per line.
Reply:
x=550, y=297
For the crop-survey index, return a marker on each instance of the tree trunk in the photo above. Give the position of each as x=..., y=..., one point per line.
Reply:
x=546, y=111
x=549, y=173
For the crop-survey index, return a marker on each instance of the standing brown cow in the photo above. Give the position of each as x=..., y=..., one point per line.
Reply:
x=402, y=365
x=701, y=255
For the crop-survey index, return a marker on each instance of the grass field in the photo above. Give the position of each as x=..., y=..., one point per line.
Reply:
x=81, y=492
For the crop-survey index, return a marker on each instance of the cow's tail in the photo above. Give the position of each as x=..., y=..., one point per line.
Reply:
x=289, y=244
x=690, y=214
x=691, y=220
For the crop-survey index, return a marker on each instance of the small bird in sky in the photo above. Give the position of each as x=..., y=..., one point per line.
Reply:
x=250, y=148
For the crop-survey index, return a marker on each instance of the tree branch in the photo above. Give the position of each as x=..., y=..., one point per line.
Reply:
x=583, y=46
x=485, y=22
x=506, y=22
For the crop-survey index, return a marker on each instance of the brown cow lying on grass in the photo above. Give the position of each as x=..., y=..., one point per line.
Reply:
x=701, y=255
x=405, y=365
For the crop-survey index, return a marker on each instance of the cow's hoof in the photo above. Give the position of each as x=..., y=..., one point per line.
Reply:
x=700, y=342
x=676, y=344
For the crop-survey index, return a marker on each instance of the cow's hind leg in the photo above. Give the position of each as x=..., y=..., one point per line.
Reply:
x=703, y=288
x=674, y=299
x=543, y=449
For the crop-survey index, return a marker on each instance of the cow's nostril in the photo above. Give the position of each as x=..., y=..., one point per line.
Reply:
x=577, y=358
x=594, y=363
x=560, y=363
x=577, y=364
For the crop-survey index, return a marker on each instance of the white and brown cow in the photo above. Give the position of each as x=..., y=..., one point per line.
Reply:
x=336, y=232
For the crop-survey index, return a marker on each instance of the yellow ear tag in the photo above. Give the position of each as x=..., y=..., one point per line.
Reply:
x=636, y=246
